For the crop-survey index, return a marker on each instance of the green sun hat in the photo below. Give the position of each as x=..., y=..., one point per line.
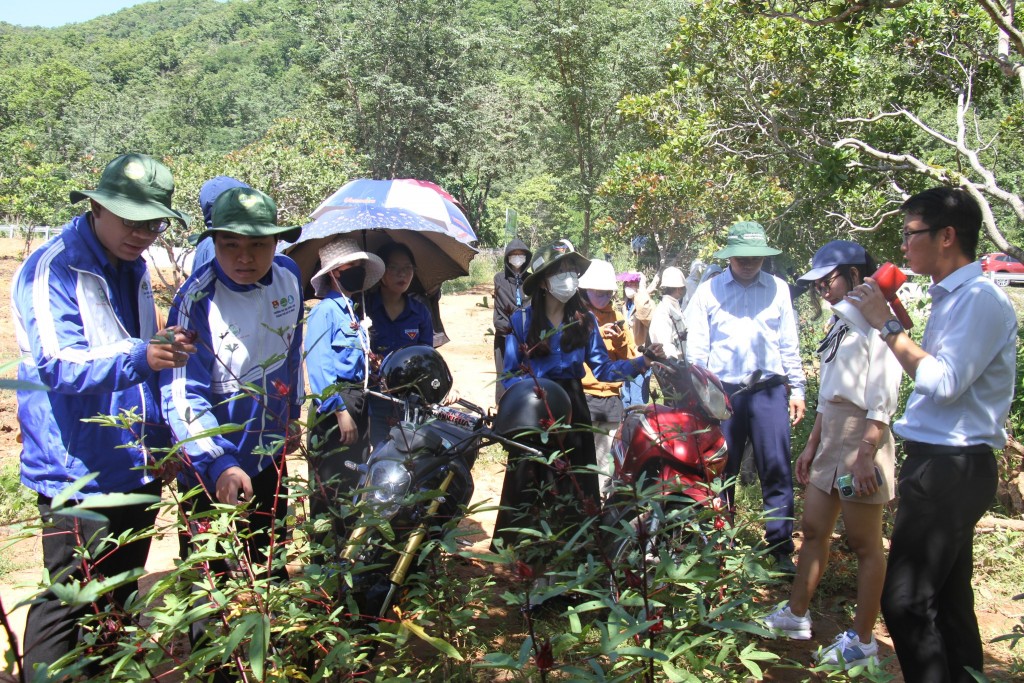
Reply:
x=248, y=212
x=549, y=256
x=136, y=187
x=746, y=238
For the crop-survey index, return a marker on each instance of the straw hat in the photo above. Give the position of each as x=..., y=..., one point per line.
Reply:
x=343, y=250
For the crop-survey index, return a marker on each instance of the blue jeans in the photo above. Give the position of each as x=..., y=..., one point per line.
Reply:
x=637, y=391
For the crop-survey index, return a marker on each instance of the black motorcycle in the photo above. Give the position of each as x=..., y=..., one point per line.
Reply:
x=420, y=479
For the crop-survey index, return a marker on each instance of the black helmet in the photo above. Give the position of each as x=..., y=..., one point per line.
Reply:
x=416, y=369
x=531, y=405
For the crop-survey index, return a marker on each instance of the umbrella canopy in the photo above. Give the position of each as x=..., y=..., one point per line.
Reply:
x=417, y=196
x=439, y=255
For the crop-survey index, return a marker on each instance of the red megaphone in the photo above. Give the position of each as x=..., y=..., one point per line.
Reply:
x=890, y=279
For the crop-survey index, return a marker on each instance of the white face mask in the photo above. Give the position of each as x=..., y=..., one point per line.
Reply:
x=517, y=260
x=630, y=292
x=563, y=285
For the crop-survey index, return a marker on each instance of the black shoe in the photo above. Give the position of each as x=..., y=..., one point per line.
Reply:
x=783, y=564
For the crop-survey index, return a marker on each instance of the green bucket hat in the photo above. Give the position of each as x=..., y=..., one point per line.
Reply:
x=249, y=212
x=136, y=187
x=746, y=238
x=549, y=256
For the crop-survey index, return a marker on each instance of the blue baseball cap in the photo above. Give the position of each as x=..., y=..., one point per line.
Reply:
x=832, y=255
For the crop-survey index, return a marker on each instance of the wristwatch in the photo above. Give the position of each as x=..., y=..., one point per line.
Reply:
x=891, y=327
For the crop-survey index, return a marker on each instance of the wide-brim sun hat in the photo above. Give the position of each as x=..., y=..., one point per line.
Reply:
x=548, y=257
x=247, y=212
x=672, y=278
x=832, y=255
x=600, y=276
x=628, y=276
x=136, y=187
x=339, y=251
x=212, y=189
x=746, y=238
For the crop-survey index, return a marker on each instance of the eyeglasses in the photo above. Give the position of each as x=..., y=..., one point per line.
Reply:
x=156, y=226
x=907, y=234
x=400, y=270
x=822, y=286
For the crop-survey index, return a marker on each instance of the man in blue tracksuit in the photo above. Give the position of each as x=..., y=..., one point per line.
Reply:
x=246, y=309
x=86, y=324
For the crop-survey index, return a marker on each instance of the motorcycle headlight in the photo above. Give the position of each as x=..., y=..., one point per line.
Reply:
x=712, y=399
x=389, y=482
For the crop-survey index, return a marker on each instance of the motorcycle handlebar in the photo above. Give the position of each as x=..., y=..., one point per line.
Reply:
x=444, y=413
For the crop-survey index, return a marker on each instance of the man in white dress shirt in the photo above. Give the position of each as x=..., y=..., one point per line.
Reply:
x=963, y=382
x=737, y=323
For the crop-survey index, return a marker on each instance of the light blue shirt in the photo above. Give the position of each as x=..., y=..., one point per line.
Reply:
x=733, y=330
x=963, y=388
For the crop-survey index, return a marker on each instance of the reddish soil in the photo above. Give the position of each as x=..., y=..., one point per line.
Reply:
x=467, y=321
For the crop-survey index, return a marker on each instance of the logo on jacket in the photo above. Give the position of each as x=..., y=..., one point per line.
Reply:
x=284, y=305
x=411, y=334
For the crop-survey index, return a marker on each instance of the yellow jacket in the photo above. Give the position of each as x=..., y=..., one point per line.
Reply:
x=620, y=347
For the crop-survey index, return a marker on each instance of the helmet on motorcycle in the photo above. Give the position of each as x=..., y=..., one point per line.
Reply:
x=418, y=370
x=532, y=405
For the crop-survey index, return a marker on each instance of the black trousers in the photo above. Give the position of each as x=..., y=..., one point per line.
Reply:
x=928, y=599
x=266, y=516
x=51, y=627
x=499, y=366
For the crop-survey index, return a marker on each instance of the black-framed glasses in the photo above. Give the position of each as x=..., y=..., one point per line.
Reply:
x=156, y=226
x=907, y=234
x=823, y=285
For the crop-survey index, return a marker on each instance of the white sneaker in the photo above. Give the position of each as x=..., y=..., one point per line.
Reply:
x=848, y=648
x=788, y=624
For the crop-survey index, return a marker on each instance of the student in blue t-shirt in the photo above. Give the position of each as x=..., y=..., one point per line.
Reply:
x=398, y=320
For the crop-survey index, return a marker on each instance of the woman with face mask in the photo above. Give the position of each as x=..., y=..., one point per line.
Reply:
x=508, y=298
x=598, y=285
x=638, y=310
x=337, y=362
x=555, y=337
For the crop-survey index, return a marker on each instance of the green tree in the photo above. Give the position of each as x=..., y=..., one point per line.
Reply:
x=820, y=127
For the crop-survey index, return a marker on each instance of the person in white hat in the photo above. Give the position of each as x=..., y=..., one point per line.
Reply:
x=667, y=326
x=603, y=399
x=337, y=358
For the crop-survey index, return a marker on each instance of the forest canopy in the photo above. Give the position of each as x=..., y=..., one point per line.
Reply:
x=597, y=120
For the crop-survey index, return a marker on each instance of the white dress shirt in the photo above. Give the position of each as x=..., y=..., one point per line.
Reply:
x=733, y=330
x=962, y=390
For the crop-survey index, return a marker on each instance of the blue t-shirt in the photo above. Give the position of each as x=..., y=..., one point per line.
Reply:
x=412, y=326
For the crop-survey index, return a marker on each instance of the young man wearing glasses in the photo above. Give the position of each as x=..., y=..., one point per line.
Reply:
x=86, y=324
x=963, y=384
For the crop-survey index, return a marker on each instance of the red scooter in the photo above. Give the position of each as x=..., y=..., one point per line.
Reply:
x=678, y=447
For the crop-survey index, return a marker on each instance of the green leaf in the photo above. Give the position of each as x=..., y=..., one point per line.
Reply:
x=442, y=645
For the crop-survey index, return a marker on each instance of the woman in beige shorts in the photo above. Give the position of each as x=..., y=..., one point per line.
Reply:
x=858, y=393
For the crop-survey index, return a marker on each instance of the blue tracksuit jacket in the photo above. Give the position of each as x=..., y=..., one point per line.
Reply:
x=83, y=326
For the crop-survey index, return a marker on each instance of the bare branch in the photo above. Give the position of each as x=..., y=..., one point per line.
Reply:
x=880, y=219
